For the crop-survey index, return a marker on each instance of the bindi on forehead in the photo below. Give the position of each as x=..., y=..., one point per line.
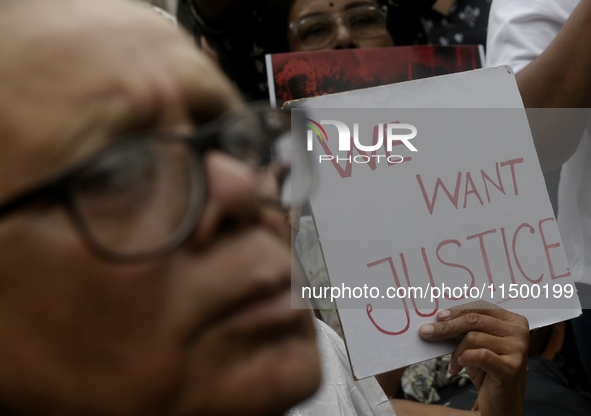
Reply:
x=331, y=4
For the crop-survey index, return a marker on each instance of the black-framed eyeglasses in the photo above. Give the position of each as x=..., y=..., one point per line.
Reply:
x=143, y=195
x=320, y=30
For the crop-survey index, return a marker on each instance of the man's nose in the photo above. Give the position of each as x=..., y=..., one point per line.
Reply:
x=232, y=197
x=344, y=38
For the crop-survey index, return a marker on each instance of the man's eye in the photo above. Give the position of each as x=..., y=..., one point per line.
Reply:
x=125, y=173
x=117, y=188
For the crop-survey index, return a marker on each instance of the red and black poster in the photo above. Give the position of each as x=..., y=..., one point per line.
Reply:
x=307, y=74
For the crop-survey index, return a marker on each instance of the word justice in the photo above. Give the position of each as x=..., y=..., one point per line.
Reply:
x=498, y=244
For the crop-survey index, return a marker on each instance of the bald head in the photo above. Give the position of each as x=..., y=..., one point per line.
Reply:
x=75, y=69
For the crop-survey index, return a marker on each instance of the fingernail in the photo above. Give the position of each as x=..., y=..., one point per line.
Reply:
x=444, y=313
x=427, y=329
x=460, y=361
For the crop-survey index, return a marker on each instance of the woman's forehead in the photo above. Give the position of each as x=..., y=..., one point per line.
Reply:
x=303, y=8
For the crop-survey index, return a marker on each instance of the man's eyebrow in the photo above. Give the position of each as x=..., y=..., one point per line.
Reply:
x=204, y=109
x=201, y=115
x=132, y=118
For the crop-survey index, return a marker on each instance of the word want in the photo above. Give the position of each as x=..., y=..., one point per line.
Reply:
x=470, y=189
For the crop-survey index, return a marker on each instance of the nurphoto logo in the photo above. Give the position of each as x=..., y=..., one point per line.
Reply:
x=351, y=151
x=391, y=133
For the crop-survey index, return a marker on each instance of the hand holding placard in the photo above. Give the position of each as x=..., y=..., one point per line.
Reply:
x=493, y=351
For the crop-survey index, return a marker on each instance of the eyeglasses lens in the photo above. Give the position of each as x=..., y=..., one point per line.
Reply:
x=315, y=31
x=318, y=31
x=145, y=196
x=366, y=22
x=138, y=199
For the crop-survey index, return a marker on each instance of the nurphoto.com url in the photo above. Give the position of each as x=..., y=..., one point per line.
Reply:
x=486, y=291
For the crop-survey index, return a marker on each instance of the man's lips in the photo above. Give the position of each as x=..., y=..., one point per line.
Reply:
x=268, y=311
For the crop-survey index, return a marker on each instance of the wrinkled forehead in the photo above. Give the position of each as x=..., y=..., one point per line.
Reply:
x=76, y=73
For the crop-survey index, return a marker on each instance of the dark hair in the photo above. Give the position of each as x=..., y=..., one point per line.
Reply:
x=404, y=22
x=253, y=28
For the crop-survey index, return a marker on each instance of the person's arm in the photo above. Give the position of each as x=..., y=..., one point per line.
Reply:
x=493, y=351
x=560, y=78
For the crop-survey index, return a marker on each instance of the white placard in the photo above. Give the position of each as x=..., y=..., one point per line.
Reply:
x=468, y=210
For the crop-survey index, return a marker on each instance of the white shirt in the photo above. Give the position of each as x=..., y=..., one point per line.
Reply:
x=339, y=393
x=518, y=32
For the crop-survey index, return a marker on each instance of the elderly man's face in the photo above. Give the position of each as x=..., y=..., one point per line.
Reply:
x=207, y=329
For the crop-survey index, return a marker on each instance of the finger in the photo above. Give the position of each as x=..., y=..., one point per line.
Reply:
x=477, y=340
x=476, y=375
x=463, y=324
x=481, y=307
x=493, y=364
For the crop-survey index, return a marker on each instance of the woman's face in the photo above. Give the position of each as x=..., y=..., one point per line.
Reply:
x=337, y=24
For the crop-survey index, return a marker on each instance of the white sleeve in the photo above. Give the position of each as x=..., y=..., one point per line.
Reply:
x=520, y=30
x=339, y=393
